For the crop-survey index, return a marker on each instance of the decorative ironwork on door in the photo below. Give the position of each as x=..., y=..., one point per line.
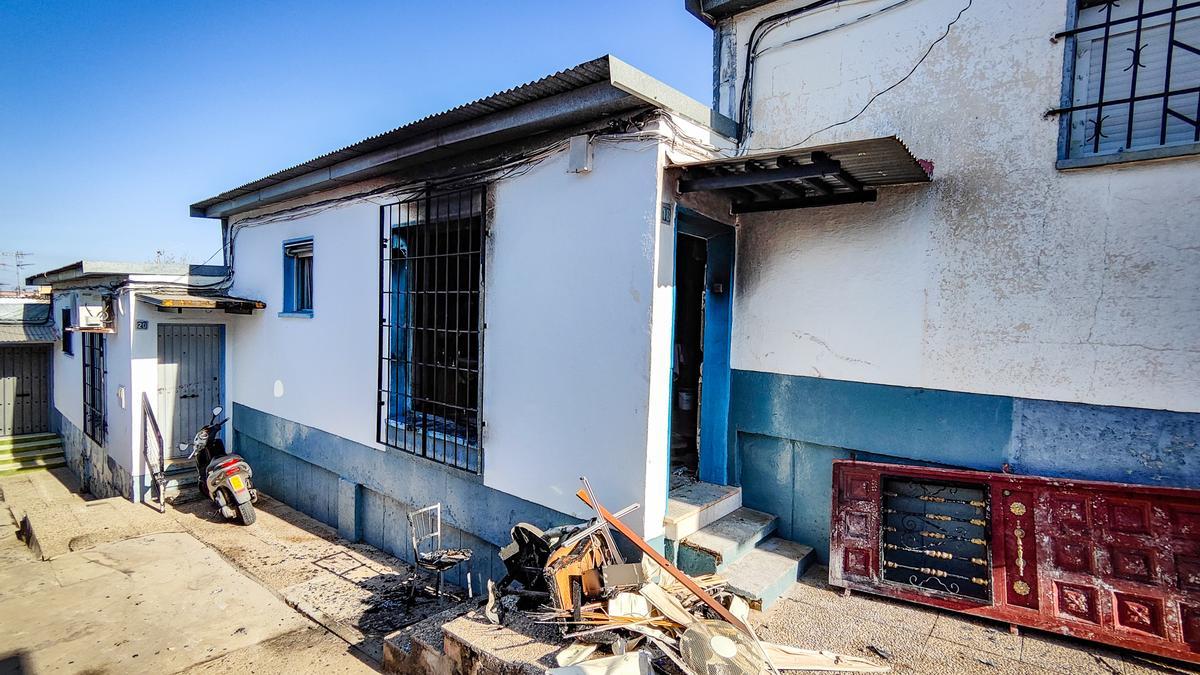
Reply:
x=1109, y=562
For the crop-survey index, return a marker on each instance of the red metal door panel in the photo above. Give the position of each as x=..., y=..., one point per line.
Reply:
x=1110, y=562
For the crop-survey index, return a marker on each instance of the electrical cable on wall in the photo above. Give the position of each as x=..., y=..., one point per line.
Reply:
x=893, y=86
x=754, y=50
x=513, y=167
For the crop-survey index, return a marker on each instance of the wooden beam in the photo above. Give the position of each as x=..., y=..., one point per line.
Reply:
x=691, y=183
x=657, y=557
x=807, y=202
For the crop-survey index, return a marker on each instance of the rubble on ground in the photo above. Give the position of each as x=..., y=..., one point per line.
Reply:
x=636, y=618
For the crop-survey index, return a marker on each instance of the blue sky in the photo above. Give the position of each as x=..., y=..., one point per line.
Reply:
x=115, y=116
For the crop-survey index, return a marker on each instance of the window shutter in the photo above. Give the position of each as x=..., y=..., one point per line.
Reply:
x=299, y=248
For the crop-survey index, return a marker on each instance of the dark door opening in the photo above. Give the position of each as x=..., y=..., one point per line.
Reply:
x=691, y=259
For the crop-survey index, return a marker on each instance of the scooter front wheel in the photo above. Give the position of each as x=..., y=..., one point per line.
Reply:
x=246, y=513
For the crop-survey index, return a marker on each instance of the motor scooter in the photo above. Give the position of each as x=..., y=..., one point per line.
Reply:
x=223, y=477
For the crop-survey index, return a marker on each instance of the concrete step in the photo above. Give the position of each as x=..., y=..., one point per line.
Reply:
x=691, y=507
x=30, y=453
x=767, y=571
x=35, y=444
x=173, y=464
x=717, y=545
x=181, y=494
x=18, y=466
x=181, y=473
x=9, y=441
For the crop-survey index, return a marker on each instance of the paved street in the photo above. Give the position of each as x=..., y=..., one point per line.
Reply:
x=162, y=602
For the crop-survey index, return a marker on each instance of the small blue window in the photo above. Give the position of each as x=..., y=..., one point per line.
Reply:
x=298, y=277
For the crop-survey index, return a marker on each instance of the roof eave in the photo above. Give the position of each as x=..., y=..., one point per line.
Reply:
x=713, y=11
x=623, y=90
x=85, y=269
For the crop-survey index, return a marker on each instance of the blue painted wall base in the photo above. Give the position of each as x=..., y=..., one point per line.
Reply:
x=789, y=429
x=366, y=493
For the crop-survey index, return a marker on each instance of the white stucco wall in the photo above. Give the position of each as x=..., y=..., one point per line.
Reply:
x=1003, y=276
x=67, y=370
x=142, y=358
x=572, y=367
x=570, y=287
x=130, y=369
x=118, y=380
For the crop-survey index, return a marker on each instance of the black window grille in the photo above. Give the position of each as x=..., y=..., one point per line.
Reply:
x=430, y=306
x=95, y=423
x=935, y=537
x=1134, y=76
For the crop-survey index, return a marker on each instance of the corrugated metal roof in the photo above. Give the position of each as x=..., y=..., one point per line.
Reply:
x=793, y=178
x=874, y=161
x=25, y=322
x=197, y=301
x=591, y=72
x=10, y=333
x=24, y=312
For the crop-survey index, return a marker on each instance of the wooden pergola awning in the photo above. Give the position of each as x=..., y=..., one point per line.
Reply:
x=822, y=175
x=180, y=301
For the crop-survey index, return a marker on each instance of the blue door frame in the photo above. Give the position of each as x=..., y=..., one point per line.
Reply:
x=714, y=443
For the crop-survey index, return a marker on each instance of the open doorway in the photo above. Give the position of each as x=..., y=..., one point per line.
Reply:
x=691, y=257
x=700, y=375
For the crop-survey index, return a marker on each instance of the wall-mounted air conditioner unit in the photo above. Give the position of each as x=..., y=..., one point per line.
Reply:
x=91, y=311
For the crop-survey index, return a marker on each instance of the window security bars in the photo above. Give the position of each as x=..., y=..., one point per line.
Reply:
x=430, y=346
x=935, y=537
x=95, y=424
x=1135, y=76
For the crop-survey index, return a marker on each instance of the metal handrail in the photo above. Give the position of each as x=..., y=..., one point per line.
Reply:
x=150, y=423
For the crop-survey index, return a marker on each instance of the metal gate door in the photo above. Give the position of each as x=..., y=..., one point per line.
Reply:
x=1110, y=562
x=189, y=380
x=24, y=389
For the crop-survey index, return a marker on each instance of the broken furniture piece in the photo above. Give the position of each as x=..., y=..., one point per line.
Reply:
x=1110, y=562
x=425, y=532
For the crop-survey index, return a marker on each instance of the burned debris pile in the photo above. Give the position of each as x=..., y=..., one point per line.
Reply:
x=623, y=617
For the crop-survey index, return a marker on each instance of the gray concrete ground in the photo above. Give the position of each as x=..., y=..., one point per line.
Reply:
x=354, y=590
x=126, y=589
x=813, y=615
x=152, y=603
x=131, y=590
x=927, y=641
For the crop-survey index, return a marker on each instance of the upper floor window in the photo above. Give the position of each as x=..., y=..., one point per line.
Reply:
x=298, y=276
x=1134, y=77
x=430, y=342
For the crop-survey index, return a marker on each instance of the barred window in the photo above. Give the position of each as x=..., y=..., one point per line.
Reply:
x=95, y=424
x=1135, y=76
x=431, y=275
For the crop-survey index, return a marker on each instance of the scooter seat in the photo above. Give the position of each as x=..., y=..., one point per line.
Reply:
x=223, y=459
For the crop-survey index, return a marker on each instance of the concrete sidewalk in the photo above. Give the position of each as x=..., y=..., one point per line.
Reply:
x=347, y=595
x=151, y=603
x=354, y=590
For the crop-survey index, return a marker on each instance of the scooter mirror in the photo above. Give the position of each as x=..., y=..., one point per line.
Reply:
x=183, y=446
x=217, y=411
